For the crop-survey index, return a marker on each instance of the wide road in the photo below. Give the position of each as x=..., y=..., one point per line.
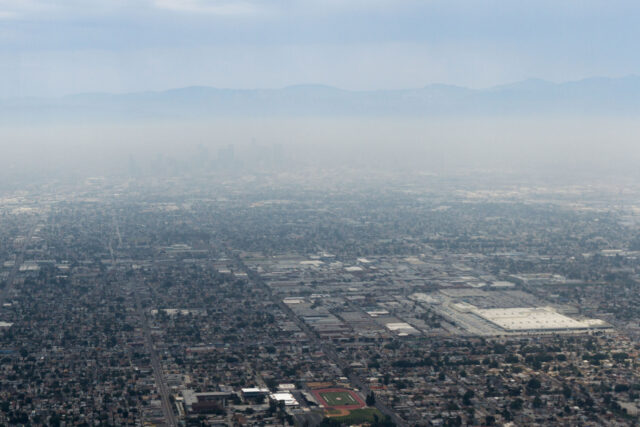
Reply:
x=156, y=365
x=327, y=348
x=158, y=373
x=18, y=262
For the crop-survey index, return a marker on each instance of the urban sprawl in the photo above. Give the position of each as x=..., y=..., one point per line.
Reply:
x=319, y=298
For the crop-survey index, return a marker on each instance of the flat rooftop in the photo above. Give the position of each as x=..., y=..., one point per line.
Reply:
x=285, y=397
x=535, y=318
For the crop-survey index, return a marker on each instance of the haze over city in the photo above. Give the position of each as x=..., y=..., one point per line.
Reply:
x=319, y=213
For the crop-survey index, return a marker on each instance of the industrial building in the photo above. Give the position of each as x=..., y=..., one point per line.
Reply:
x=535, y=319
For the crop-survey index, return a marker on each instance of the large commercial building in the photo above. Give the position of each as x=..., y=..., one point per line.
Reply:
x=535, y=319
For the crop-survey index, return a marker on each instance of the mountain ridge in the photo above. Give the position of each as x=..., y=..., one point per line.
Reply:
x=596, y=95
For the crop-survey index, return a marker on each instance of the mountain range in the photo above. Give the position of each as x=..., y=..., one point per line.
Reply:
x=593, y=96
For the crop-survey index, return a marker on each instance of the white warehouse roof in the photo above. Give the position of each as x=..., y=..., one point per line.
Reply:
x=535, y=318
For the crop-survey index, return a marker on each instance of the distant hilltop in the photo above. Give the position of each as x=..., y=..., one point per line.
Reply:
x=593, y=96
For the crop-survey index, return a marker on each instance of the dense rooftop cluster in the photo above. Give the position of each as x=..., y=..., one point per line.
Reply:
x=260, y=302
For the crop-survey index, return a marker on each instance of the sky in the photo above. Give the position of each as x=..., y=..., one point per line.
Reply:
x=58, y=47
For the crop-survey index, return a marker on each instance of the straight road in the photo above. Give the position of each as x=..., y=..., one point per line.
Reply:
x=156, y=365
x=18, y=262
x=158, y=373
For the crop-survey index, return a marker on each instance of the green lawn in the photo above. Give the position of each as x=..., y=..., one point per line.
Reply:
x=361, y=416
x=338, y=398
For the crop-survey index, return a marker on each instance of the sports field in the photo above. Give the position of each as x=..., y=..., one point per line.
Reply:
x=339, y=398
x=359, y=416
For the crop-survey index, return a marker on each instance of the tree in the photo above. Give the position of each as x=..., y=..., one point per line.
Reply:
x=533, y=384
x=466, y=398
x=620, y=388
x=273, y=406
x=516, y=404
x=371, y=399
x=537, y=402
x=512, y=358
x=329, y=422
x=54, y=420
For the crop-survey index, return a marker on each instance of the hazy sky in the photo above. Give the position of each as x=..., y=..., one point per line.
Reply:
x=53, y=47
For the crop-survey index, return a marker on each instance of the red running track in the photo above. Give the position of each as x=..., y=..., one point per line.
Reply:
x=324, y=403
